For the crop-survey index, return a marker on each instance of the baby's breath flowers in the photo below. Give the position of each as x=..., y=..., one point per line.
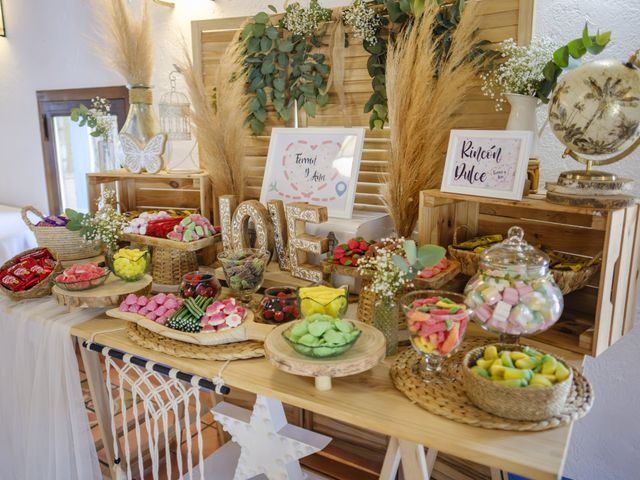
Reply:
x=98, y=117
x=305, y=21
x=521, y=72
x=364, y=21
x=104, y=227
x=386, y=278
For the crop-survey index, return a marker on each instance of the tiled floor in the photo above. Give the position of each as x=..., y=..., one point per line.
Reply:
x=209, y=434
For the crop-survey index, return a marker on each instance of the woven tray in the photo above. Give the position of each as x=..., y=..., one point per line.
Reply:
x=230, y=351
x=449, y=400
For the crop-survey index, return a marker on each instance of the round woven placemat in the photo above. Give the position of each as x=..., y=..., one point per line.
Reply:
x=230, y=351
x=449, y=400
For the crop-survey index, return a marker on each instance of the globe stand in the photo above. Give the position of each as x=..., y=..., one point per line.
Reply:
x=592, y=188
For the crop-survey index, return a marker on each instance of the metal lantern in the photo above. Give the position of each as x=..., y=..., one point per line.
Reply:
x=175, y=112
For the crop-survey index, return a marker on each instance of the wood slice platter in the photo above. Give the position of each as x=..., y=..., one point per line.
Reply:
x=593, y=201
x=171, y=244
x=248, y=330
x=110, y=294
x=366, y=353
x=440, y=279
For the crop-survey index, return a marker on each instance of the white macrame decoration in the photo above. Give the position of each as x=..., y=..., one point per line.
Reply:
x=164, y=400
x=269, y=445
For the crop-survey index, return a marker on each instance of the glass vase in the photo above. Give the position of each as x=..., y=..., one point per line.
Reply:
x=141, y=122
x=106, y=155
x=385, y=319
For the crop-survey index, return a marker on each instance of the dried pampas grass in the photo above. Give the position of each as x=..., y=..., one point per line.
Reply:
x=422, y=108
x=126, y=43
x=219, y=124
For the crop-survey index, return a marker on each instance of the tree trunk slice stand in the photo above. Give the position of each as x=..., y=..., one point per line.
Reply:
x=170, y=260
x=366, y=353
x=108, y=295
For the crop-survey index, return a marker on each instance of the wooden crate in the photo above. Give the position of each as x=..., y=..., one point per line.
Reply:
x=162, y=190
x=594, y=317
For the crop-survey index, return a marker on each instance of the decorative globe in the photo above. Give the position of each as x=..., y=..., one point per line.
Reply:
x=594, y=109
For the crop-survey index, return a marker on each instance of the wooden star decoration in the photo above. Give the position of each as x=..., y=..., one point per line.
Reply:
x=269, y=445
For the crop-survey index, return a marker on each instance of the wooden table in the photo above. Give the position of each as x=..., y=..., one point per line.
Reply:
x=367, y=400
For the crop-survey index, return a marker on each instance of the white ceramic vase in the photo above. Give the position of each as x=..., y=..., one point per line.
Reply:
x=523, y=117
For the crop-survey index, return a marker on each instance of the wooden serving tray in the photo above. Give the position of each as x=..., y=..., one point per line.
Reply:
x=248, y=330
x=109, y=294
x=171, y=244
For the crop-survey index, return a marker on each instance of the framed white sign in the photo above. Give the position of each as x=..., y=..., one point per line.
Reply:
x=315, y=165
x=487, y=163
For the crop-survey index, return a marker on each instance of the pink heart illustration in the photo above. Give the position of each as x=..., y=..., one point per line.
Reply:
x=313, y=147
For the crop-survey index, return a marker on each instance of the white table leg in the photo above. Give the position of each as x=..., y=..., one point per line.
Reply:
x=99, y=394
x=391, y=460
x=415, y=464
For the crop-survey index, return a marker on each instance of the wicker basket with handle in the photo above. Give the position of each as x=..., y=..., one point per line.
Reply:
x=42, y=289
x=67, y=244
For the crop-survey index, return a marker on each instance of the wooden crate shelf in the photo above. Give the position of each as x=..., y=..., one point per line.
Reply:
x=596, y=316
x=145, y=191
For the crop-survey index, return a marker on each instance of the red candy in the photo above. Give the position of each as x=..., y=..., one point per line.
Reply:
x=28, y=270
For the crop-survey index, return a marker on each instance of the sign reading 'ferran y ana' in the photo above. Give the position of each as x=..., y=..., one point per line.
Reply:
x=314, y=165
x=487, y=163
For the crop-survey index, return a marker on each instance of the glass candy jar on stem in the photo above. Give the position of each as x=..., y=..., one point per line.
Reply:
x=514, y=293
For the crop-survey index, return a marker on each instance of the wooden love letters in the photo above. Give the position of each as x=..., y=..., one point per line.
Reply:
x=279, y=228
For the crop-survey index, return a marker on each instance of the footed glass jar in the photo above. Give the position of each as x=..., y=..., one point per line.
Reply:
x=513, y=292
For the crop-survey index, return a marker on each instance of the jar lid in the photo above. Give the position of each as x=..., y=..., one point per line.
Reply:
x=515, y=253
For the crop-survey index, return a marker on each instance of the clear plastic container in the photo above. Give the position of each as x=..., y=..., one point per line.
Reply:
x=514, y=292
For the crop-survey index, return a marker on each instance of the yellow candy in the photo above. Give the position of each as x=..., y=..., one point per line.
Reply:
x=518, y=355
x=497, y=371
x=562, y=372
x=486, y=364
x=525, y=363
x=540, y=380
x=491, y=352
x=549, y=365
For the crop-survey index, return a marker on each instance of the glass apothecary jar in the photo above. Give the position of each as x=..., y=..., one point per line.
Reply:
x=513, y=292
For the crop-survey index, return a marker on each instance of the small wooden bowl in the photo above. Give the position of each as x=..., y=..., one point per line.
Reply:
x=526, y=404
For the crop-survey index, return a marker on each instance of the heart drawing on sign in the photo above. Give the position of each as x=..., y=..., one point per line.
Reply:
x=310, y=170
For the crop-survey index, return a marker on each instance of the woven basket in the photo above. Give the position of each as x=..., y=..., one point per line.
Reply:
x=469, y=261
x=530, y=404
x=569, y=281
x=168, y=265
x=67, y=244
x=40, y=290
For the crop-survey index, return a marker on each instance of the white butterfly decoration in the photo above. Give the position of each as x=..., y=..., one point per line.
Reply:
x=147, y=157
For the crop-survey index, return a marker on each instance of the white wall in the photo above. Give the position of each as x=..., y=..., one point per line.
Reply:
x=563, y=21
x=49, y=47
x=606, y=443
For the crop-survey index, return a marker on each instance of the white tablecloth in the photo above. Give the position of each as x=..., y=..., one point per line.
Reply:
x=15, y=236
x=44, y=430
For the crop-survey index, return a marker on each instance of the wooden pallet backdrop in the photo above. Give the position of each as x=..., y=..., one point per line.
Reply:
x=500, y=19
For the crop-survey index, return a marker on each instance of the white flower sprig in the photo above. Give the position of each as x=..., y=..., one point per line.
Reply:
x=104, y=227
x=364, y=21
x=521, y=72
x=386, y=278
x=305, y=21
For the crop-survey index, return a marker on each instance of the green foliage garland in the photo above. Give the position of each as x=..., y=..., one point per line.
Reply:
x=284, y=67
